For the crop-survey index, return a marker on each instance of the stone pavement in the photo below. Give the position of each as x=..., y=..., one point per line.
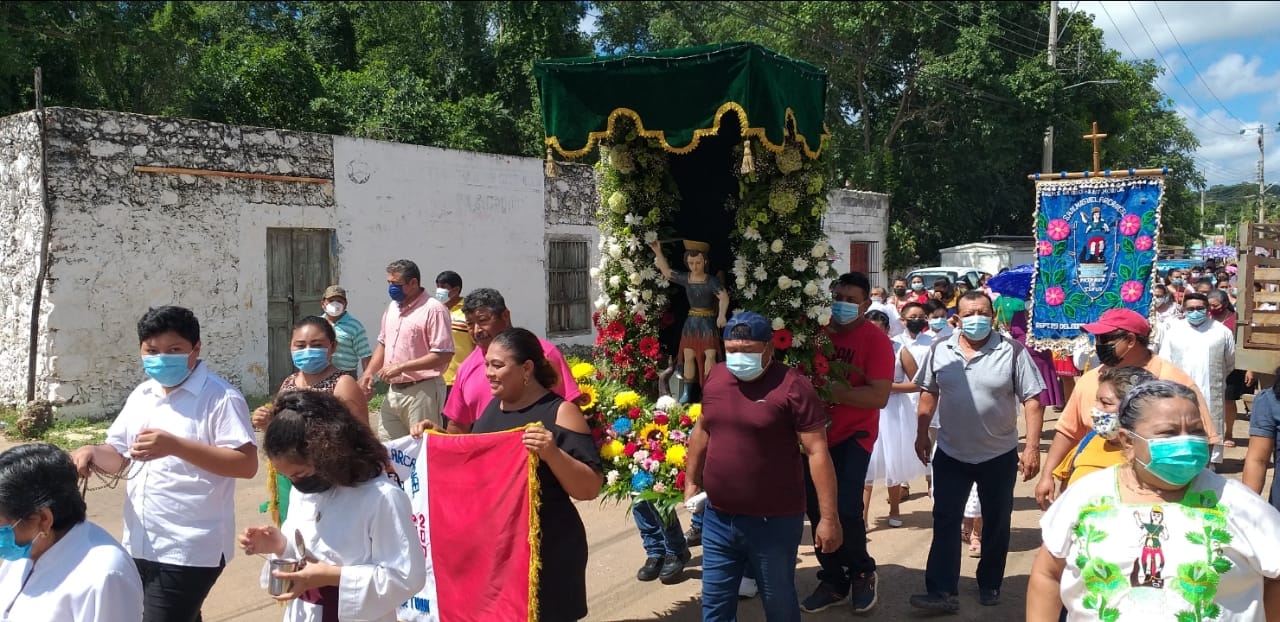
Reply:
x=615, y=596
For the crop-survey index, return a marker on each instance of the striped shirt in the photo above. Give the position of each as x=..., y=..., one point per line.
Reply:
x=353, y=343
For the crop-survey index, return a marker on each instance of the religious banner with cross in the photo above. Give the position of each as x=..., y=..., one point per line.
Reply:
x=1097, y=235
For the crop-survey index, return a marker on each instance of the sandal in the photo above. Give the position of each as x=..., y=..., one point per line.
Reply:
x=1228, y=443
x=975, y=546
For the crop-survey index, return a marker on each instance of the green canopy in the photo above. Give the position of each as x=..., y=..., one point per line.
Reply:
x=678, y=96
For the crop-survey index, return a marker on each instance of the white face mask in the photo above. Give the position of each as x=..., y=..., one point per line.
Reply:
x=334, y=309
x=877, y=299
x=442, y=294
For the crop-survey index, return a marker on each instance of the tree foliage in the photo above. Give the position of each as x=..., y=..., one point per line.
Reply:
x=942, y=105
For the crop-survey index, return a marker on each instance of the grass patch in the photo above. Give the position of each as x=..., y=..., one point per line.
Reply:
x=67, y=434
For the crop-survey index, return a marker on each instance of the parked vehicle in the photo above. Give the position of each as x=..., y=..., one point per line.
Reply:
x=953, y=274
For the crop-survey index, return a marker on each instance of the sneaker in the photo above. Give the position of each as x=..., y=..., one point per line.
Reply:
x=673, y=566
x=936, y=602
x=895, y=522
x=862, y=594
x=988, y=597
x=652, y=567
x=748, y=588
x=823, y=597
x=693, y=537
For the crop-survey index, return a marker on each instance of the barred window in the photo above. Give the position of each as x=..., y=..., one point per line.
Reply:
x=568, y=286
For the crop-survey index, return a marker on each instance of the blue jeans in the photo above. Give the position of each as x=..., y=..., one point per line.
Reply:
x=659, y=538
x=952, y=481
x=732, y=543
x=838, y=569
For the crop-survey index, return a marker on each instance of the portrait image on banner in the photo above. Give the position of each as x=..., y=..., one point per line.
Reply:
x=1096, y=243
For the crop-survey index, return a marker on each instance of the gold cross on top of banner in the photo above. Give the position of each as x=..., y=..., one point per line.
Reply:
x=1096, y=138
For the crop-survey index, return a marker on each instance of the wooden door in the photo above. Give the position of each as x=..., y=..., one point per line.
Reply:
x=299, y=268
x=860, y=257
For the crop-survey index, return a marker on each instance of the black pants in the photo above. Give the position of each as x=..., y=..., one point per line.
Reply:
x=174, y=593
x=839, y=569
x=952, y=481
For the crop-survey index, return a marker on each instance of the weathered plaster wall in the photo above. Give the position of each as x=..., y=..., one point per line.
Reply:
x=479, y=215
x=571, y=203
x=21, y=216
x=856, y=216
x=124, y=241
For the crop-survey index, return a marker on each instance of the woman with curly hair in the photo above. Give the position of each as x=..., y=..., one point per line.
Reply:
x=363, y=557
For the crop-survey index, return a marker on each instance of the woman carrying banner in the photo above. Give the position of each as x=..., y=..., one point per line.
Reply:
x=569, y=468
x=364, y=558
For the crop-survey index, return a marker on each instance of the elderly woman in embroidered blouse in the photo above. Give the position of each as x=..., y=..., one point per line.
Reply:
x=1158, y=537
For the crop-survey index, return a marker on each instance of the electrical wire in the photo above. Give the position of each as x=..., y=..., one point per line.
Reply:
x=1031, y=44
x=1193, y=65
x=958, y=29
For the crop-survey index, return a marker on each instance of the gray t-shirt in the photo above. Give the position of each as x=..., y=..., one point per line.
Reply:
x=978, y=399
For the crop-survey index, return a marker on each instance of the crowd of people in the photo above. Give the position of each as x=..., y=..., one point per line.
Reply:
x=939, y=377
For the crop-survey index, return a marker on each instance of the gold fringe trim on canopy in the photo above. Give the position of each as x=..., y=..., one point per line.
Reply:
x=661, y=136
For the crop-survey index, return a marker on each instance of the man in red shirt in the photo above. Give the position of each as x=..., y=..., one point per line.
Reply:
x=743, y=451
x=855, y=421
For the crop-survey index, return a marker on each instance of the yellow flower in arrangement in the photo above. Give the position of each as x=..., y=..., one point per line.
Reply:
x=612, y=450
x=626, y=399
x=694, y=411
x=589, y=396
x=653, y=432
x=675, y=456
x=583, y=372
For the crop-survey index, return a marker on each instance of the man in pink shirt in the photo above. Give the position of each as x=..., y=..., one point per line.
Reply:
x=487, y=316
x=415, y=346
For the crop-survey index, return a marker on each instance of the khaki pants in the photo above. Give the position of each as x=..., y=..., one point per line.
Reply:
x=408, y=405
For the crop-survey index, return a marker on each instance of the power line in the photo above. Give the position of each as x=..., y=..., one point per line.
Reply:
x=1193, y=65
x=921, y=11
x=1029, y=42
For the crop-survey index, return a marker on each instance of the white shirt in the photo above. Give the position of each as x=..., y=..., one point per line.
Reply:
x=1207, y=353
x=84, y=577
x=368, y=530
x=178, y=513
x=895, y=323
x=1220, y=528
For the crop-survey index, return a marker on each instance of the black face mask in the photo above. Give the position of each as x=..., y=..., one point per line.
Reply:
x=900, y=291
x=1107, y=353
x=311, y=484
x=916, y=326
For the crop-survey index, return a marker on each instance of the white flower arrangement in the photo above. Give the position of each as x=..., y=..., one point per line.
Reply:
x=784, y=282
x=811, y=289
x=779, y=323
x=800, y=264
x=761, y=274
x=777, y=246
x=615, y=281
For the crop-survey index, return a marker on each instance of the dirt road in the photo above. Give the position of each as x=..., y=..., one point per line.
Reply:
x=616, y=554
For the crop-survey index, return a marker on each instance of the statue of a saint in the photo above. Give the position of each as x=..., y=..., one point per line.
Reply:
x=700, y=343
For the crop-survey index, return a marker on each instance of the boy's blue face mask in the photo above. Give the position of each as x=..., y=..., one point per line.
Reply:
x=10, y=550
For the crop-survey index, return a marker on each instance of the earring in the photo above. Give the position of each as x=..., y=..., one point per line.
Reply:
x=526, y=381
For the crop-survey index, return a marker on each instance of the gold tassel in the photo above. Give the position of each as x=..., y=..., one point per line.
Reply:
x=551, y=165
x=535, y=536
x=748, y=161
x=273, y=489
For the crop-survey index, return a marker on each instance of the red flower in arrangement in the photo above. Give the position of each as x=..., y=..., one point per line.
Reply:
x=662, y=419
x=631, y=379
x=782, y=339
x=667, y=319
x=658, y=455
x=821, y=365
x=650, y=374
x=597, y=434
x=686, y=421
x=595, y=318
x=802, y=368
x=634, y=413
x=680, y=480
x=819, y=382
x=630, y=449
x=650, y=347
x=629, y=349
x=615, y=331
x=638, y=319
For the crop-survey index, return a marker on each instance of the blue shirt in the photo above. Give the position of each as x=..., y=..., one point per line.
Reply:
x=1262, y=422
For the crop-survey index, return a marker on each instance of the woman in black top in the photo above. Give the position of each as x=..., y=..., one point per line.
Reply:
x=521, y=378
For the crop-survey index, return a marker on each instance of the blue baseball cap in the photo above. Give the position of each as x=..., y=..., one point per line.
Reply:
x=758, y=328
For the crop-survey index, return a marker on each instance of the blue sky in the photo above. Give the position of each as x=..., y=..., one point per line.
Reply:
x=1222, y=72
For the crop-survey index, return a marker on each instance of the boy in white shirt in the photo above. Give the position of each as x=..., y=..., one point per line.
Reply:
x=182, y=439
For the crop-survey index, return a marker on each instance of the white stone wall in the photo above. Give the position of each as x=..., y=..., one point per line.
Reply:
x=124, y=241
x=479, y=215
x=571, y=203
x=856, y=216
x=21, y=217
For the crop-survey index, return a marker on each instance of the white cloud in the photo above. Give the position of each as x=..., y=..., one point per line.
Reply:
x=1229, y=157
x=1232, y=76
x=1192, y=23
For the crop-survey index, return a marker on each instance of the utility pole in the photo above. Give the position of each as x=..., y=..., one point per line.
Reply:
x=1202, y=205
x=1262, y=180
x=1046, y=163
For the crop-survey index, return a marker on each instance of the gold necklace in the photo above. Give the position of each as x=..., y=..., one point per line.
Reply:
x=1142, y=489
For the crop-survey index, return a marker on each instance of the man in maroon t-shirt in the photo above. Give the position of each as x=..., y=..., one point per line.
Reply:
x=855, y=421
x=743, y=452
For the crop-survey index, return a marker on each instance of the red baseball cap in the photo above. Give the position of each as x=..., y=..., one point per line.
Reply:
x=1119, y=319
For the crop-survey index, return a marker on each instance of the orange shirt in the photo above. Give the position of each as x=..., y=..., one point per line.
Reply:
x=1075, y=422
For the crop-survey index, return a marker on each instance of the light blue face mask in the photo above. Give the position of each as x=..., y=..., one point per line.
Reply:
x=442, y=294
x=976, y=327
x=311, y=360
x=1176, y=460
x=170, y=370
x=844, y=312
x=744, y=365
x=1197, y=317
x=937, y=323
x=10, y=550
